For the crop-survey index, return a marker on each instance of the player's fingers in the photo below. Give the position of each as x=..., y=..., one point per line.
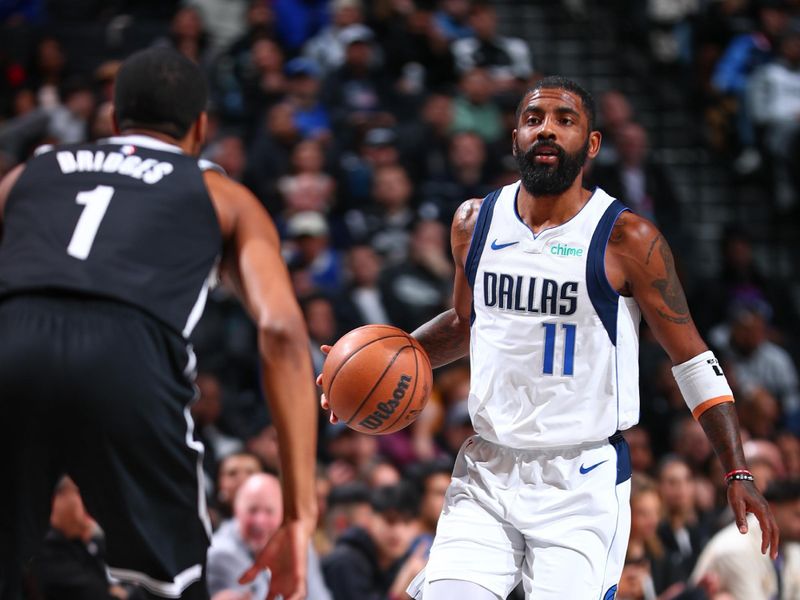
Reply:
x=323, y=402
x=740, y=512
x=333, y=419
x=249, y=575
x=319, y=379
x=775, y=541
x=325, y=348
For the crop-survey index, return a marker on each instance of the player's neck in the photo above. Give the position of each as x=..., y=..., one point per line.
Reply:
x=183, y=144
x=539, y=212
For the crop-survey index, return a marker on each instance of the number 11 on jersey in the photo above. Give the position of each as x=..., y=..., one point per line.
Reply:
x=550, y=347
x=95, y=203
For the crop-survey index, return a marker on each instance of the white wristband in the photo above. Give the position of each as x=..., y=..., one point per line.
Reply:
x=702, y=383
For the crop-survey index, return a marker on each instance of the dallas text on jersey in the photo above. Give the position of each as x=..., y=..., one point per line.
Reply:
x=529, y=295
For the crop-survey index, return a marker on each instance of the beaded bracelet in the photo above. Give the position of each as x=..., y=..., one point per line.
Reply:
x=739, y=475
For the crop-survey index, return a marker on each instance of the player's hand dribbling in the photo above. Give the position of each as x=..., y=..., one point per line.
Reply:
x=286, y=556
x=323, y=401
x=744, y=498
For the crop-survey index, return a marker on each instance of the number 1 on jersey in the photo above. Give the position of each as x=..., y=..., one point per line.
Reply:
x=95, y=203
x=550, y=347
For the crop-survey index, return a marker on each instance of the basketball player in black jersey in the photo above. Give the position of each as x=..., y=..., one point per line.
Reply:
x=106, y=257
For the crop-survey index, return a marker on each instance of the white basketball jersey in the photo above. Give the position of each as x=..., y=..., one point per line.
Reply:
x=554, y=348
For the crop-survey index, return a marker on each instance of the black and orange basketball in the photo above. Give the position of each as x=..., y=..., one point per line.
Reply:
x=377, y=379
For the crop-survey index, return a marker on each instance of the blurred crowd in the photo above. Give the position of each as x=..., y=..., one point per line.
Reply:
x=361, y=126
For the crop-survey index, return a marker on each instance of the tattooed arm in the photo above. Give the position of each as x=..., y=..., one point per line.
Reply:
x=639, y=263
x=446, y=337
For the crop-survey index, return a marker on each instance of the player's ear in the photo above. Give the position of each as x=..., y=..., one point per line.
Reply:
x=514, y=142
x=114, y=122
x=201, y=128
x=595, y=137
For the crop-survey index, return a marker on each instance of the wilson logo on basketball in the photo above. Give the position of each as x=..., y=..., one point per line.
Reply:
x=387, y=409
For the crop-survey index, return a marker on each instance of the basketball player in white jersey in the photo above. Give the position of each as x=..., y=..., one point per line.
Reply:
x=551, y=280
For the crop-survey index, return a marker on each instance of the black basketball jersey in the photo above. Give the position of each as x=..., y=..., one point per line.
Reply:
x=128, y=218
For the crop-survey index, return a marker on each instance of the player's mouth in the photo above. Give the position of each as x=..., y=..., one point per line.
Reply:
x=545, y=154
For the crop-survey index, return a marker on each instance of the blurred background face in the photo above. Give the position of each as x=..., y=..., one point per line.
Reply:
x=233, y=472
x=267, y=56
x=645, y=514
x=477, y=86
x=392, y=533
x=258, y=510
x=429, y=238
x=632, y=144
x=676, y=487
x=307, y=157
x=749, y=331
x=484, y=21
x=365, y=266
x=433, y=498
x=787, y=515
x=321, y=320
x=391, y=188
x=467, y=151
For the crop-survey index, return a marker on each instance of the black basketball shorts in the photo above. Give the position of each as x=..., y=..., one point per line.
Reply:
x=101, y=391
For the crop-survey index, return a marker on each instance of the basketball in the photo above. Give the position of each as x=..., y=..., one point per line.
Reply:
x=377, y=379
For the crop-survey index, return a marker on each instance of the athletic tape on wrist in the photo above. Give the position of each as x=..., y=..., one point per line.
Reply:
x=702, y=383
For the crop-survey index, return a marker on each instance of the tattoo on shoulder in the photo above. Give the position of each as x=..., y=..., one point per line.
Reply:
x=670, y=286
x=617, y=231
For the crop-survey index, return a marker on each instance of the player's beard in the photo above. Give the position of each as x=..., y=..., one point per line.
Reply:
x=549, y=180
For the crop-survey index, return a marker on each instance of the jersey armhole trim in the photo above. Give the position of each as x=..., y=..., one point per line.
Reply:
x=479, y=235
x=604, y=298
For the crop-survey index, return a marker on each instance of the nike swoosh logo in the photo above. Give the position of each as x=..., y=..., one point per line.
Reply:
x=585, y=470
x=496, y=246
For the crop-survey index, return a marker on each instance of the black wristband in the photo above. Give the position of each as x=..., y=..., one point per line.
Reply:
x=739, y=477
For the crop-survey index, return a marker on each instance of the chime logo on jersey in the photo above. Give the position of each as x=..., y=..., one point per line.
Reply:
x=148, y=170
x=529, y=294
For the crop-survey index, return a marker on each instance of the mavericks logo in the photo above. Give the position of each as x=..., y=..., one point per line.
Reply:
x=564, y=250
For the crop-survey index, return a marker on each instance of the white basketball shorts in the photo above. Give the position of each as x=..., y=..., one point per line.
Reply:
x=558, y=519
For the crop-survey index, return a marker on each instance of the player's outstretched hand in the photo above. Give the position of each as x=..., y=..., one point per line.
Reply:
x=323, y=401
x=286, y=556
x=744, y=498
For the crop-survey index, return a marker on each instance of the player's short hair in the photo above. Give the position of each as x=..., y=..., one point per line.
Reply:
x=557, y=82
x=160, y=90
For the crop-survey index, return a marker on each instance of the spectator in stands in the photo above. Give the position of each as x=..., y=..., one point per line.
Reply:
x=310, y=251
x=452, y=19
x=229, y=153
x=417, y=54
x=641, y=183
x=348, y=506
x=468, y=175
x=232, y=471
x=743, y=55
x=432, y=479
x=369, y=562
x=506, y=59
x=386, y=225
x=615, y=111
x=378, y=148
x=419, y=288
x=258, y=511
x=426, y=139
x=774, y=104
x=474, y=109
x=303, y=93
x=187, y=34
x=327, y=48
x=645, y=516
x=269, y=156
x=322, y=326
x=638, y=439
x=361, y=302
x=690, y=443
x=757, y=362
x=307, y=187
x=683, y=530
x=358, y=92
x=263, y=81
x=70, y=563
x=789, y=446
x=737, y=560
